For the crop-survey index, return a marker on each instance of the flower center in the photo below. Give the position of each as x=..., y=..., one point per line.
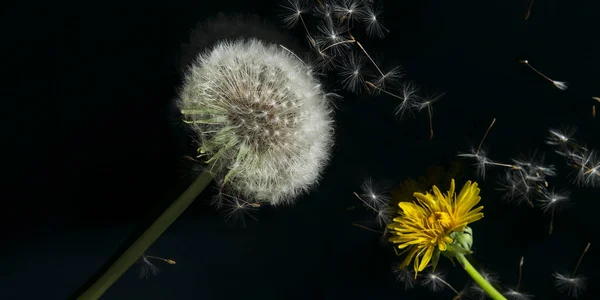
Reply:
x=441, y=219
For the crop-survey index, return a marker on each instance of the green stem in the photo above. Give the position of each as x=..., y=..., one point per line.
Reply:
x=484, y=284
x=139, y=247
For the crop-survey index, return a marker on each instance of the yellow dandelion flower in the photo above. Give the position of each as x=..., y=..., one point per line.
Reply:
x=433, y=224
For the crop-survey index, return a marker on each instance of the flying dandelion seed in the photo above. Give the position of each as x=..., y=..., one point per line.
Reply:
x=435, y=282
x=147, y=269
x=427, y=102
x=571, y=284
x=409, y=99
x=373, y=20
x=583, y=160
x=237, y=210
x=352, y=73
x=405, y=276
x=375, y=195
x=292, y=13
x=559, y=84
x=348, y=11
x=376, y=201
x=550, y=202
x=515, y=293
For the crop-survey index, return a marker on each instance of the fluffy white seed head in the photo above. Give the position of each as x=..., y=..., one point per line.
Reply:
x=261, y=117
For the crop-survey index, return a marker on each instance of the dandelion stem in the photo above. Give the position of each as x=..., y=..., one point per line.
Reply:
x=137, y=249
x=480, y=280
x=580, y=259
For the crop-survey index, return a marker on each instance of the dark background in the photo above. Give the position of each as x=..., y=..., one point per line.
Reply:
x=92, y=154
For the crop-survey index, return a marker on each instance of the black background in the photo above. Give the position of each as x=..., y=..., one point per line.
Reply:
x=92, y=154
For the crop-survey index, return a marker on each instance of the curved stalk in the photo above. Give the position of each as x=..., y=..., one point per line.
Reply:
x=484, y=284
x=131, y=255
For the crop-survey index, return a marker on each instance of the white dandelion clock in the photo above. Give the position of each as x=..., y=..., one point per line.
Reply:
x=262, y=120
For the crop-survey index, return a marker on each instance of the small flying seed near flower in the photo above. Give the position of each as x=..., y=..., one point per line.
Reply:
x=435, y=282
x=374, y=195
x=426, y=102
x=481, y=160
x=405, y=276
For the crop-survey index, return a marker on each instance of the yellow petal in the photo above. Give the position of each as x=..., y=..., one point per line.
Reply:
x=426, y=258
x=451, y=190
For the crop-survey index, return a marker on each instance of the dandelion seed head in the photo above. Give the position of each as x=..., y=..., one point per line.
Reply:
x=261, y=117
